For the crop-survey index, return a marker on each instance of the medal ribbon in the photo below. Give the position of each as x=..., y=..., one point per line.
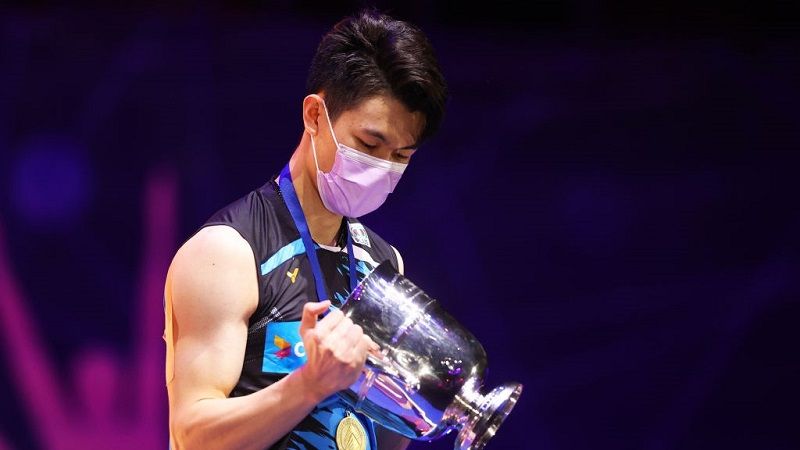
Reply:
x=292, y=202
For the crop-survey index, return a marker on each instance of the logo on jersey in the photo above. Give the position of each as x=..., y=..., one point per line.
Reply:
x=283, y=348
x=359, y=234
x=293, y=274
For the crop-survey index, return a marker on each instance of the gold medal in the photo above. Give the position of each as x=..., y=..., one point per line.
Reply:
x=350, y=434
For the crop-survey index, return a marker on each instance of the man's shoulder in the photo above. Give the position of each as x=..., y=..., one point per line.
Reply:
x=214, y=242
x=215, y=259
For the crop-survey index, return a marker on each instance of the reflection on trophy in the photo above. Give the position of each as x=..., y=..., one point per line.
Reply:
x=426, y=381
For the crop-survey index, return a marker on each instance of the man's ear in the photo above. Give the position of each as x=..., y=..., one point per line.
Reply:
x=311, y=111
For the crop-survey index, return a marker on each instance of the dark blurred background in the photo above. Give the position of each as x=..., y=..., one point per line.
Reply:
x=610, y=206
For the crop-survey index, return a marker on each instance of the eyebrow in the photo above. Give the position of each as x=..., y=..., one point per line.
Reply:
x=380, y=136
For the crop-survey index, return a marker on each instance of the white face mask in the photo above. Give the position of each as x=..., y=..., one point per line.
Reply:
x=357, y=183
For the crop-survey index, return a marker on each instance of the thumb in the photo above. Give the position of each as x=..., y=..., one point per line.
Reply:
x=310, y=312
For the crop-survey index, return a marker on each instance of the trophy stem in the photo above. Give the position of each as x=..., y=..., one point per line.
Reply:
x=479, y=416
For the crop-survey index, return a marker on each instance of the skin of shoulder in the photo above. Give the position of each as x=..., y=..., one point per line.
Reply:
x=214, y=271
x=213, y=289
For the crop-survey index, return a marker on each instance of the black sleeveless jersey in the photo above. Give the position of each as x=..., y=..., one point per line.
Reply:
x=285, y=283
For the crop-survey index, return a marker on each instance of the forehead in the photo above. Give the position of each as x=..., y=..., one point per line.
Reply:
x=387, y=115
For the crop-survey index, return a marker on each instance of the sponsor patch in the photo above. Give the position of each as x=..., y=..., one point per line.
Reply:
x=283, y=348
x=359, y=234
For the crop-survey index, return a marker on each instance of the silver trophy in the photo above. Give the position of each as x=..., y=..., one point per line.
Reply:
x=426, y=381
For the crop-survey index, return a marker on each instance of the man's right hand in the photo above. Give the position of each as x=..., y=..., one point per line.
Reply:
x=336, y=350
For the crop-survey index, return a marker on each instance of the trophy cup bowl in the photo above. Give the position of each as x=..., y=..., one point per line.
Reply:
x=427, y=379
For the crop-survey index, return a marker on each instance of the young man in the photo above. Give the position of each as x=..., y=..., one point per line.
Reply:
x=250, y=365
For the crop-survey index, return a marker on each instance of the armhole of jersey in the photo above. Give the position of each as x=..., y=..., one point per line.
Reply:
x=256, y=264
x=400, y=266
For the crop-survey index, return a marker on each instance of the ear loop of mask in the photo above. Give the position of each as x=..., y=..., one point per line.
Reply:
x=313, y=149
x=333, y=135
x=330, y=125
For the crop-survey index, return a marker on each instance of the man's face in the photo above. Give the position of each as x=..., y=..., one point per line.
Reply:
x=379, y=126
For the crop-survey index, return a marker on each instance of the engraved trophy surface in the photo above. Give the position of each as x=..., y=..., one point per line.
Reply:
x=427, y=380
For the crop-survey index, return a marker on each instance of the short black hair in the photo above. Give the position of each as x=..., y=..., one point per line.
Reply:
x=370, y=54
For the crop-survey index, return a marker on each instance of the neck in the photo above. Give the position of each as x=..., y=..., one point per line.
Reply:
x=322, y=223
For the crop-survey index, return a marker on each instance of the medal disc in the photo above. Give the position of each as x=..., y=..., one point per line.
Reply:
x=350, y=434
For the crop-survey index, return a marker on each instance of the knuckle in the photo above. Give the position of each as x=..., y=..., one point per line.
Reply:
x=325, y=347
x=354, y=336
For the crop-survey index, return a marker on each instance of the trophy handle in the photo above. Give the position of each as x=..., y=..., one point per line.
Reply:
x=377, y=365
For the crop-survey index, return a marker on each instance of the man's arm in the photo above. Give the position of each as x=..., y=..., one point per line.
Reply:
x=213, y=291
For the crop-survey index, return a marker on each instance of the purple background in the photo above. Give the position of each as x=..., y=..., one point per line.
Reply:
x=610, y=206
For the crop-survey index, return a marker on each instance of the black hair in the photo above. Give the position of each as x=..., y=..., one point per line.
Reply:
x=372, y=54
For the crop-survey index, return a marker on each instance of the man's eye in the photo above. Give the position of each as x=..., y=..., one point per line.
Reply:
x=367, y=145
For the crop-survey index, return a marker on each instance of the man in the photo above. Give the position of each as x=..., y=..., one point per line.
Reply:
x=250, y=364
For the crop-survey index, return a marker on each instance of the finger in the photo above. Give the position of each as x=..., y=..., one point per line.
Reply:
x=338, y=335
x=373, y=346
x=363, y=346
x=310, y=312
x=310, y=338
x=329, y=322
x=353, y=340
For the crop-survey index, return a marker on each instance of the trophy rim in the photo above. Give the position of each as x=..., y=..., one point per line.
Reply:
x=492, y=414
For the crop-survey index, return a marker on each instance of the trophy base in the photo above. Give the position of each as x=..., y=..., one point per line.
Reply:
x=490, y=415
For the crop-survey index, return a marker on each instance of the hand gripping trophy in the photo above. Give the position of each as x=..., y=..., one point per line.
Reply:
x=426, y=380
